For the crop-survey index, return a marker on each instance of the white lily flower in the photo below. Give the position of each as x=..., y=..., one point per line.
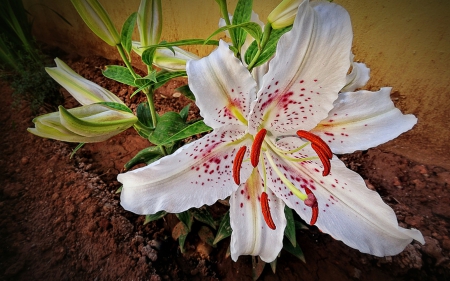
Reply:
x=358, y=77
x=284, y=14
x=89, y=123
x=273, y=126
x=166, y=59
x=96, y=18
x=149, y=22
x=84, y=91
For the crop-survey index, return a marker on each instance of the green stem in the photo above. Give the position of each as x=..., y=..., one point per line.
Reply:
x=151, y=105
x=125, y=60
x=226, y=17
x=265, y=39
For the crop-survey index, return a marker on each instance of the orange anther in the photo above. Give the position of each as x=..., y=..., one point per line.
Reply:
x=321, y=148
x=256, y=147
x=323, y=158
x=237, y=164
x=266, y=211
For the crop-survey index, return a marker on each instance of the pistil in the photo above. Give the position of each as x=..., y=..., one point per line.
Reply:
x=312, y=202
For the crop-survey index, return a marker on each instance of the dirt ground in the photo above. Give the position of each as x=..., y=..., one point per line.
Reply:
x=61, y=219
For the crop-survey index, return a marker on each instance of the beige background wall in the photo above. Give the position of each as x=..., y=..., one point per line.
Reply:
x=406, y=43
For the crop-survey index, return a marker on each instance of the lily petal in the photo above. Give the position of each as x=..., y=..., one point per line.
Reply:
x=84, y=91
x=223, y=87
x=361, y=120
x=251, y=235
x=358, y=77
x=307, y=72
x=196, y=174
x=344, y=211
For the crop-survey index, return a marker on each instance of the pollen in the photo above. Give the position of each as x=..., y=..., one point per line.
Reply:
x=321, y=148
x=237, y=164
x=256, y=147
x=266, y=211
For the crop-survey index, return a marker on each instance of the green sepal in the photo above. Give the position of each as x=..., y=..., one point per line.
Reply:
x=127, y=32
x=186, y=91
x=120, y=74
x=289, y=231
x=169, y=125
x=187, y=218
x=224, y=230
x=296, y=251
x=269, y=49
x=157, y=216
x=116, y=105
x=144, y=156
x=204, y=216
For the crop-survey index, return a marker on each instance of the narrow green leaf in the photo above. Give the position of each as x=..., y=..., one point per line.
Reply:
x=157, y=216
x=143, y=114
x=142, y=88
x=242, y=14
x=289, y=231
x=127, y=32
x=224, y=228
x=206, y=235
x=296, y=251
x=184, y=113
x=273, y=265
x=80, y=145
x=187, y=218
x=180, y=232
x=299, y=225
x=252, y=28
x=191, y=130
x=120, y=74
x=163, y=77
x=144, y=156
x=257, y=267
x=204, y=216
x=169, y=126
x=269, y=49
x=116, y=105
x=186, y=91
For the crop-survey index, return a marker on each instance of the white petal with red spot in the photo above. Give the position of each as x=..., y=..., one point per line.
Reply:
x=196, y=174
x=358, y=77
x=221, y=84
x=307, y=72
x=348, y=210
x=251, y=235
x=361, y=120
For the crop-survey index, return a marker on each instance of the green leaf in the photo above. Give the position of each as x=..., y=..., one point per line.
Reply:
x=180, y=232
x=143, y=114
x=257, y=267
x=157, y=216
x=204, y=216
x=186, y=218
x=76, y=149
x=224, y=228
x=163, y=77
x=116, y=105
x=299, y=225
x=273, y=265
x=252, y=28
x=191, y=130
x=289, y=231
x=127, y=32
x=120, y=74
x=184, y=113
x=186, y=91
x=206, y=235
x=169, y=125
x=242, y=14
x=142, y=87
x=296, y=251
x=269, y=49
x=144, y=156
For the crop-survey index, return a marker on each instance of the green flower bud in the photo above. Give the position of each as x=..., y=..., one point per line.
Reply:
x=284, y=14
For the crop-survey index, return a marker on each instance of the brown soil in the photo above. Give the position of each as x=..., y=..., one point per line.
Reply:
x=61, y=219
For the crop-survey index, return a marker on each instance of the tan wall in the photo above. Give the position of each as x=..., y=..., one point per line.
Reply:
x=406, y=43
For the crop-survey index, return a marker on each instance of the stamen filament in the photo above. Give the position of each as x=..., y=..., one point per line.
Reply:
x=237, y=164
x=256, y=147
x=266, y=211
x=283, y=178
